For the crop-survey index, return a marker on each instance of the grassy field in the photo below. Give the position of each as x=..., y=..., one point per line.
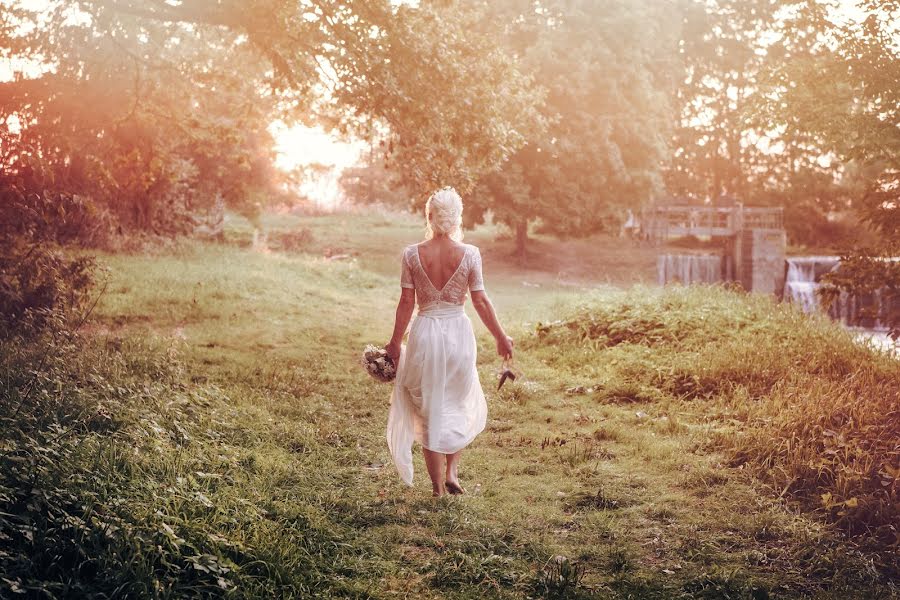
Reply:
x=213, y=434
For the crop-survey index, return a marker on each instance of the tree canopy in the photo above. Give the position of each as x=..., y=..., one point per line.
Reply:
x=608, y=70
x=154, y=108
x=846, y=94
x=561, y=113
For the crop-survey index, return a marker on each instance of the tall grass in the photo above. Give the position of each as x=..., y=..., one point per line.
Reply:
x=211, y=435
x=810, y=410
x=119, y=480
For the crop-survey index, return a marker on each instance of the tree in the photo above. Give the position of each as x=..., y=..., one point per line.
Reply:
x=725, y=47
x=148, y=105
x=453, y=104
x=607, y=75
x=147, y=124
x=373, y=183
x=847, y=94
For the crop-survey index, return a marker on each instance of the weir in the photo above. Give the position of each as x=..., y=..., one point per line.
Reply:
x=751, y=250
x=689, y=268
x=803, y=280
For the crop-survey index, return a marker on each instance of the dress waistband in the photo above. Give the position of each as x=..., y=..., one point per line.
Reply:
x=441, y=310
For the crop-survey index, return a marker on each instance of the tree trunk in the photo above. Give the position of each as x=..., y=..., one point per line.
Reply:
x=521, y=238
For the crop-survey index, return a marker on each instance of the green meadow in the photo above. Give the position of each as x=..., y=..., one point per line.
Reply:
x=210, y=433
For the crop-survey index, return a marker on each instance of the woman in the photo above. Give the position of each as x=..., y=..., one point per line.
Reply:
x=437, y=398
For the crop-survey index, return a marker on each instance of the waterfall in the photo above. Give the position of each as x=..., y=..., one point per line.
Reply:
x=689, y=268
x=803, y=279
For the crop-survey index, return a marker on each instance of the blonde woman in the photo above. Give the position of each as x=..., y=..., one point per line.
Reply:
x=437, y=398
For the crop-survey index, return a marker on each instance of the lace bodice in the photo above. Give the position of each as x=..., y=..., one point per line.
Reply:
x=466, y=278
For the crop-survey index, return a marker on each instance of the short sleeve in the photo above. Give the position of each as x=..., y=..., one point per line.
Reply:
x=406, y=278
x=476, y=279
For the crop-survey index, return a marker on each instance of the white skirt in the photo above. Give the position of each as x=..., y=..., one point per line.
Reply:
x=437, y=398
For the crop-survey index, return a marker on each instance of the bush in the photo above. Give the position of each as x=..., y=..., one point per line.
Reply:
x=295, y=240
x=39, y=283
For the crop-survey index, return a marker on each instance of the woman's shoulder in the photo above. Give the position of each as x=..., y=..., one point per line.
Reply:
x=472, y=249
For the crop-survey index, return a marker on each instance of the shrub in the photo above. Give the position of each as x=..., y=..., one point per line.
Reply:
x=296, y=240
x=40, y=284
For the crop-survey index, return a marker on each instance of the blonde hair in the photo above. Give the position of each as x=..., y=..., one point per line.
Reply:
x=443, y=214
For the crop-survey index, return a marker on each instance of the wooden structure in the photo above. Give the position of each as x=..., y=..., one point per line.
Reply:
x=753, y=244
x=660, y=223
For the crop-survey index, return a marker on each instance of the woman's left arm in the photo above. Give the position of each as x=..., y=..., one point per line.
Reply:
x=404, y=314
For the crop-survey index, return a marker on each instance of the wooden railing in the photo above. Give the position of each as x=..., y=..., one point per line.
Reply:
x=661, y=222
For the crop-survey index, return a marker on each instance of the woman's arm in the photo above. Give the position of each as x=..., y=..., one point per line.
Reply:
x=485, y=310
x=401, y=321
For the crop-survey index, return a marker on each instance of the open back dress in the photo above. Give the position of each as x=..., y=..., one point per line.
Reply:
x=437, y=398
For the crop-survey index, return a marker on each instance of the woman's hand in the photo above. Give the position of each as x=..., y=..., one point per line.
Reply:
x=393, y=350
x=505, y=346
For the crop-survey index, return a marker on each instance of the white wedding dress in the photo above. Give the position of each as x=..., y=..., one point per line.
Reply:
x=437, y=398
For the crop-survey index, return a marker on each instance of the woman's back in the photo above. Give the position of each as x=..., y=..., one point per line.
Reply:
x=440, y=260
x=441, y=272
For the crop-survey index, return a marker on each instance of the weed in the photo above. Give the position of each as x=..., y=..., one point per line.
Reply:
x=560, y=578
x=619, y=561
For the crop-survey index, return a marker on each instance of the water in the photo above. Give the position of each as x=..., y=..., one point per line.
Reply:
x=801, y=283
x=689, y=268
x=803, y=280
x=878, y=339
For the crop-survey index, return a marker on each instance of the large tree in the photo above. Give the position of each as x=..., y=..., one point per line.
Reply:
x=723, y=148
x=608, y=71
x=847, y=95
x=140, y=104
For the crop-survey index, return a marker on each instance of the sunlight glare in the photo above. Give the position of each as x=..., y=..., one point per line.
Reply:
x=299, y=145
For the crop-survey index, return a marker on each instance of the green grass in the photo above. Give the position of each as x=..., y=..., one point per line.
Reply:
x=212, y=434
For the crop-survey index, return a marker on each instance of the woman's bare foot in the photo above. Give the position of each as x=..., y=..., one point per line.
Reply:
x=454, y=488
x=437, y=490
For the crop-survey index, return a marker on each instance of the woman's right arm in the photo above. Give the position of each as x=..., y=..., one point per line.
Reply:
x=401, y=320
x=485, y=310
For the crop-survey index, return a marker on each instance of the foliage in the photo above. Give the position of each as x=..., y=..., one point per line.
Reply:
x=174, y=102
x=726, y=44
x=871, y=273
x=150, y=121
x=856, y=119
x=726, y=149
x=857, y=122
x=607, y=78
x=373, y=183
x=40, y=285
x=453, y=104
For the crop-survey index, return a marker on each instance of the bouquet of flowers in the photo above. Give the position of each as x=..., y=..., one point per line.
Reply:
x=378, y=364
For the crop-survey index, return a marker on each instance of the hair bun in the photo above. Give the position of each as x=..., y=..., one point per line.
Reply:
x=444, y=213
